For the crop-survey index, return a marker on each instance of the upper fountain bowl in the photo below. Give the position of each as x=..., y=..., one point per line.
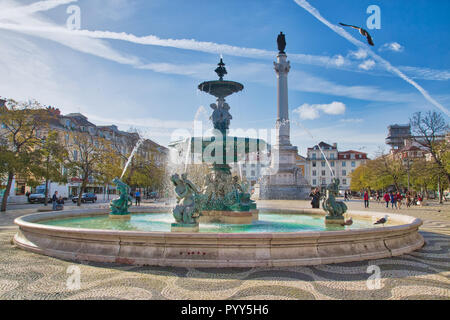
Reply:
x=221, y=88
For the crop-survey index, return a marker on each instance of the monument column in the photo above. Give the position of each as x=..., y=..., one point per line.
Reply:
x=282, y=68
x=283, y=181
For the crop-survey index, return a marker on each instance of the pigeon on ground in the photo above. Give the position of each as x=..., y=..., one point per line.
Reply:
x=362, y=31
x=382, y=220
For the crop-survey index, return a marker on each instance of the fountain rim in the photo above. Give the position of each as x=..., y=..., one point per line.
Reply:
x=217, y=250
x=27, y=221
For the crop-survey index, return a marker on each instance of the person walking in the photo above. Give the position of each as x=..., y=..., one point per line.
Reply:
x=408, y=199
x=366, y=199
x=138, y=198
x=378, y=197
x=399, y=200
x=387, y=198
x=55, y=200
x=393, y=200
x=345, y=196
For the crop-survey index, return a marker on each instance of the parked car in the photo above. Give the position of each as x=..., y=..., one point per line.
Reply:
x=38, y=198
x=85, y=197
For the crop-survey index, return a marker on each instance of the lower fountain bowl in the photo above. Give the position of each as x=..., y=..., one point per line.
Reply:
x=178, y=249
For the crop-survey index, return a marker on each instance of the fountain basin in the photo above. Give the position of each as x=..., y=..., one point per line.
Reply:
x=268, y=249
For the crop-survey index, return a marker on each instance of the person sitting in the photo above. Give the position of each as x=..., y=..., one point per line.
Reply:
x=60, y=204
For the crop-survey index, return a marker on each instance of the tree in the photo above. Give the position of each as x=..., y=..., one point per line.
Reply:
x=361, y=178
x=20, y=122
x=86, y=154
x=50, y=155
x=429, y=131
x=387, y=170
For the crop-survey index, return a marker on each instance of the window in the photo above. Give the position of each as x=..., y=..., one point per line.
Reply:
x=332, y=163
x=314, y=182
x=353, y=164
x=253, y=173
x=334, y=173
x=323, y=164
x=352, y=156
x=324, y=181
x=344, y=181
x=244, y=173
x=323, y=173
x=332, y=156
x=314, y=173
x=314, y=156
x=344, y=163
x=344, y=173
x=314, y=164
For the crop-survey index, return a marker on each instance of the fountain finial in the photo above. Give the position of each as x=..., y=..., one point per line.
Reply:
x=221, y=70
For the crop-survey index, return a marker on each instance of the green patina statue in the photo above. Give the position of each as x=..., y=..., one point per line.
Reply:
x=119, y=207
x=186, y=211
x=335, y=209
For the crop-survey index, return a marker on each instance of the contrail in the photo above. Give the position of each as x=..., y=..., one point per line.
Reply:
x=340, y=31
x=32, y=8
x=186, y=44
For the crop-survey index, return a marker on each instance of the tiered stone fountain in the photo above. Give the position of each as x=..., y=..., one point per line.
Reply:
x=222, y=198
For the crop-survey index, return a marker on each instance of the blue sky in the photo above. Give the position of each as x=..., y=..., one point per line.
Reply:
x=339, y=92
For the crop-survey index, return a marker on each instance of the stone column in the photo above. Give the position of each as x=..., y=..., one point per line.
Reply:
x=282, y=68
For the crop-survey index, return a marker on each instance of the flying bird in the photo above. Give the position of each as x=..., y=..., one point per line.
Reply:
x=349, y=222
x=362, y=31
x=382, y=220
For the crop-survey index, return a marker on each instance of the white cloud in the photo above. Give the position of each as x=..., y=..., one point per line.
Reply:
x=339, y=60
x=359, y=55
x=367, y=65
x=13, y=12
x=307, y=112
x=392, y=46
x=311, y=112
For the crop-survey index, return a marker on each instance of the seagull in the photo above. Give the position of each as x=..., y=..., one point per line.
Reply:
x=349, y=222
x=362, y=31
x=382, y=220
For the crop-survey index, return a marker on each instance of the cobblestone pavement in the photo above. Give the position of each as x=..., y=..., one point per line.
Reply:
x=423, y=274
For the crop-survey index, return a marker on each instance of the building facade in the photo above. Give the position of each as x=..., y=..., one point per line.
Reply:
x=121, y=142
x=327, y=162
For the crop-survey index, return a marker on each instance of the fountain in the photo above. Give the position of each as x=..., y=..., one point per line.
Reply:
x=221, y=198
x=218, y=225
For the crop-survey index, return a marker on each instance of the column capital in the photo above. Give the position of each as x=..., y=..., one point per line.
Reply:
x=282, y=65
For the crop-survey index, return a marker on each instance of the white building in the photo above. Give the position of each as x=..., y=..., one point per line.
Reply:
x=340, y=165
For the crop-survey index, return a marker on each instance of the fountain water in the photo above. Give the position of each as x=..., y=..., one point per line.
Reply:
x=138, y=144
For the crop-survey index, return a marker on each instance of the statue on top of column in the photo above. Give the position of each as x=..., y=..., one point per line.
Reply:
x=281, y=43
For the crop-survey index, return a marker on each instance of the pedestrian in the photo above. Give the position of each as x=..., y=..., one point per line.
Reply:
x=345, y=196
x=408, y=199
x=55, y=200
x=399, y=200
x=393, y=197
x=315, y=201
x=378, y=197
x=138, y=198
x=387, y=198
x=420, y=200
x=366, y=199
